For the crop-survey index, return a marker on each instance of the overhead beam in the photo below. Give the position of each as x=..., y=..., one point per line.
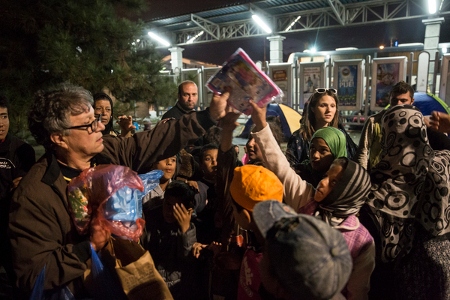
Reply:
x=334, y=16
x=339, y=10
x=209, y=27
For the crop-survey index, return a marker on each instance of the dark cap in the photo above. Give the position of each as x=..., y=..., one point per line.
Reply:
x=309, y=257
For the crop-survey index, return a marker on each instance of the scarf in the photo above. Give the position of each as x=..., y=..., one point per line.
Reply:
x=410, y=184
x=347, y=197
x=335, y=140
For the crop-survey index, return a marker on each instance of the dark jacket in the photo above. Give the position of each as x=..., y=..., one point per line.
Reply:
x=175, y=112
x=171, y=251
x=16, y=159
x=40, y=227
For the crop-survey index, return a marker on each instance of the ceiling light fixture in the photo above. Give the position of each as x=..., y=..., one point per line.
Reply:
x=432, y=6
x=192, y=39
x=261, y=23
x=158, y=39
x=293, y=23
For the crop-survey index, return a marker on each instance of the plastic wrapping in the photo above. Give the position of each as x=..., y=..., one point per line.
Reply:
x=113, y=195
x=244, y=80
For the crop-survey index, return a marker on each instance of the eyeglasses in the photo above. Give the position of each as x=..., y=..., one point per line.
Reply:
x=93, y=126
x=324, y=90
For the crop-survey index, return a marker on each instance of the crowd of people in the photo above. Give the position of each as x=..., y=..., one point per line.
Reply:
x=326, y=219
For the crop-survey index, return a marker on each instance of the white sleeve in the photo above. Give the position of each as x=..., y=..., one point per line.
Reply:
x=297, y=192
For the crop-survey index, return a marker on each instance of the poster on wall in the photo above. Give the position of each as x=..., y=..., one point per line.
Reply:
x=312, y=76
x=281, y=74
x=348, y=80
x=386, y=72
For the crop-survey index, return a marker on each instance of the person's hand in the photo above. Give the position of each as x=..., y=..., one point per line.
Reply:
x=193, y=184
x=197, y=248
x=126, y=125
x=258, y=116
x=16, y=182
x=99, y=235
x=183, y=216
x=229, y=121
x=439, y=121
x=217, y=107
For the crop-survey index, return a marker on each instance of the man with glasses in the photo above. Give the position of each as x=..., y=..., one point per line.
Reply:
x=40, y=228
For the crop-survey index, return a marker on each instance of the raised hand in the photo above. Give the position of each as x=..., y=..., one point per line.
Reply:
x=258, y=116
x=183, y=216
x=218, y=105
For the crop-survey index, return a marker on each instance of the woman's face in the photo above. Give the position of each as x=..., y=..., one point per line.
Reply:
x=103, y=107
x=324, y=111
x=320, y=155
x=329, y=181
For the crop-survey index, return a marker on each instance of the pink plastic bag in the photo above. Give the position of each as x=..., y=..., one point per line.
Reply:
x=89, y=192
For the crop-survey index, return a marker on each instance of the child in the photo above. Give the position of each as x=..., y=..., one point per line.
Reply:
x=342, y=190
x=327, y=143
x=156, y=196
x=170, y=236
x=252, y=184
x=302, y=255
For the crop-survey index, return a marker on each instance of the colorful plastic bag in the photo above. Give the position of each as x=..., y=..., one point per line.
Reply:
x=113, y=195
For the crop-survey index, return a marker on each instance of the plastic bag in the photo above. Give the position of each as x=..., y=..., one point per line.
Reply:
x=38, y=293
x=107, y=285
x=113, y=195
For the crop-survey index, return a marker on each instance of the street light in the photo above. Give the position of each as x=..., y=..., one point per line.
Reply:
x=158, y=39
x=261, y=23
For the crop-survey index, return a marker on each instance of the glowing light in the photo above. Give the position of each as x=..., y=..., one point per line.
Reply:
x=192, y=39
x=293, y=23
x=261, y=23
x=382, y=47
x=432, y=7
x=158, y=39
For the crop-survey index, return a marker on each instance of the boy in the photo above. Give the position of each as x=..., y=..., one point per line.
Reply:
x=170, y=236
x=303, y=256
x=252, y=184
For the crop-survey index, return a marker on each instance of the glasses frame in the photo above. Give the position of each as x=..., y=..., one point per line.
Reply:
x=93, y=125
x=324, y=90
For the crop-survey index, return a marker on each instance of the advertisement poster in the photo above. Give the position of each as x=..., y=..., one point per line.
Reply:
x=280, y=77
x=387, y=77
x=311, y=81
x=347, y=85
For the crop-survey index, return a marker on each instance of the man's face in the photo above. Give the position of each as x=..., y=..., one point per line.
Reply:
x=83, y=143
x=189, y=96
x=4, y=122
x=402, y=99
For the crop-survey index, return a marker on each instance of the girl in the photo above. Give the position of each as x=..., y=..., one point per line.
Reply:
x=327, y=144
x=337, y=199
